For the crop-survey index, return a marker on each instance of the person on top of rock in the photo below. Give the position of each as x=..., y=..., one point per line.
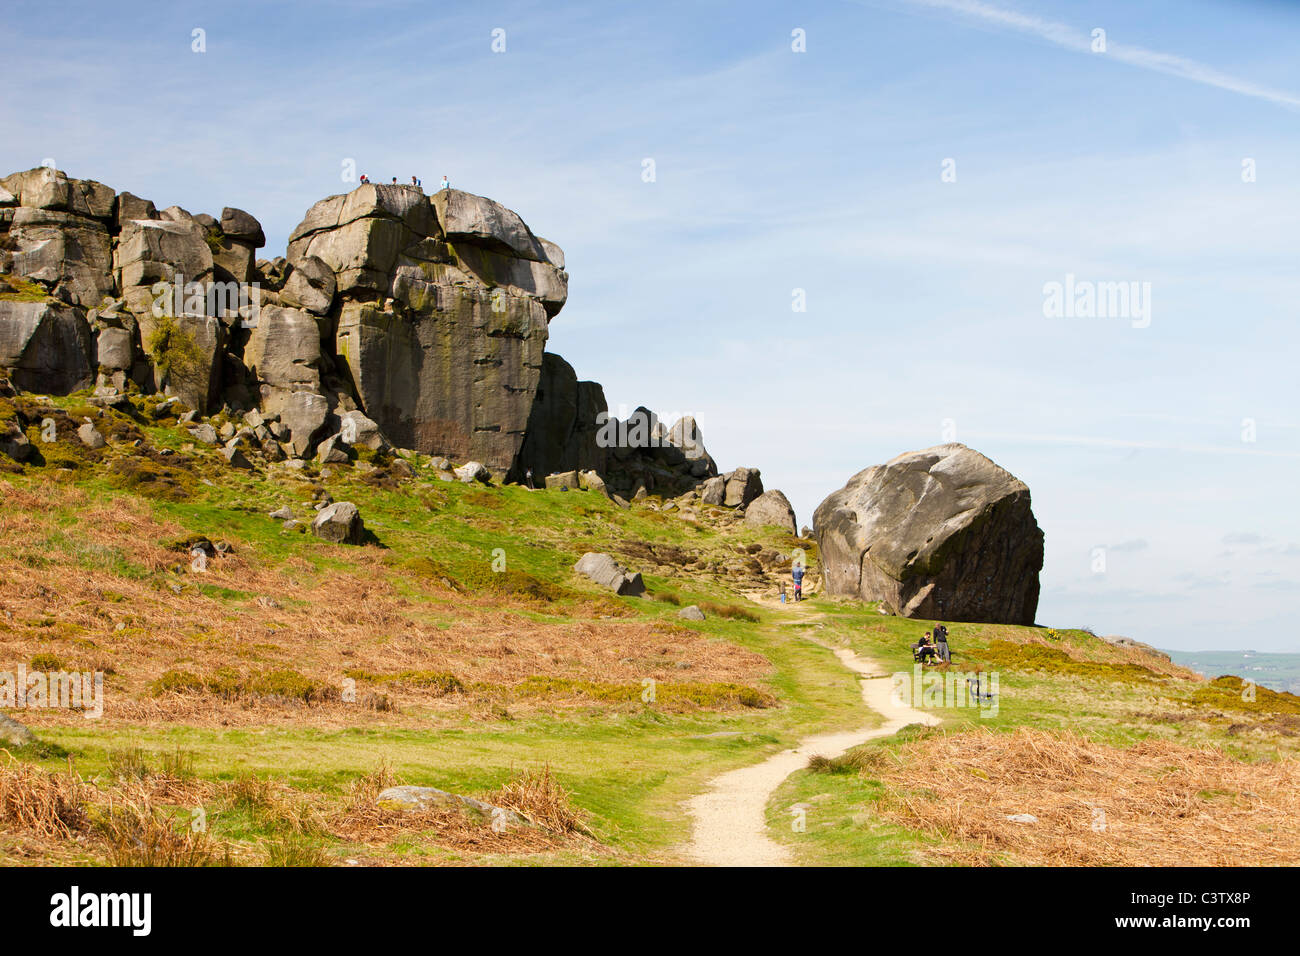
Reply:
x=444, y=184
x=414, y=181
x=394, y=180
x=364, y=180
x=797, y=573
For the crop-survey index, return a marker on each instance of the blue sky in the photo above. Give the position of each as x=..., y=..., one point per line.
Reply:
x=820, y=171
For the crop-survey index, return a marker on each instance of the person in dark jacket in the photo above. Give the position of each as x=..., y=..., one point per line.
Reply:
x=941, y=643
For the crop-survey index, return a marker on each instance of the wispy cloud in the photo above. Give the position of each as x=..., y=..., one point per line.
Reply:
x=1078, y=41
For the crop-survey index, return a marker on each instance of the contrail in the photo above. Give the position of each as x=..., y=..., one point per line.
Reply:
x=1068, y=37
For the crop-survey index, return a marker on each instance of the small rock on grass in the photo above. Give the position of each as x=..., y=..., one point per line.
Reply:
x=691, y=613
x=607, y=572
x=473, y=471
x=415, y=798
x=15, y=734
x=90, y=436
x=340, y=522
x=236, y=458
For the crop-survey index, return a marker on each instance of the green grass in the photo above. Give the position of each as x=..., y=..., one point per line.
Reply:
x=629, y=765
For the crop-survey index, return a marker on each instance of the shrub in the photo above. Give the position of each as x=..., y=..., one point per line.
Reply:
x=733, y=611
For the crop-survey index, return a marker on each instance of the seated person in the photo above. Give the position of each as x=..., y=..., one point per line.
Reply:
x=924, y=649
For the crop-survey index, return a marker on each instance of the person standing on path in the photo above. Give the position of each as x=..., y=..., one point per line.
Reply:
x=797, y=573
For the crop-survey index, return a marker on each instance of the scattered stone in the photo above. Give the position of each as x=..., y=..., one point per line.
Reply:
x=340, y=522
x=566, y=480
x=591, y=481
x=282, y=514
x=207, y=434
x=236, y=458
x=1022, y=818
x=691, y=613
x=91, y=437
x=418, y=798
x=15, y=734
x=473, y=471
x=607, y=572
x=14, y=443
x=332, y=451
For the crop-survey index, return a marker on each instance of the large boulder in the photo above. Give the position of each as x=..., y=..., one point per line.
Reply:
x=45, y=347
x=771, y=509
x=310, y=286
x=186, y=354
x=608, y=573
x=68, y=254
x=160, y=250
x=303, y=412
x=242, y=227
x=479, y=220
x=440, y=333
x=743, y=486
x=340, y=522
x=942, y=534
x=283, y=349
x=46, y=188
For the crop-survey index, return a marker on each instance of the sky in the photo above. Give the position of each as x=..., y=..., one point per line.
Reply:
x=848, y=245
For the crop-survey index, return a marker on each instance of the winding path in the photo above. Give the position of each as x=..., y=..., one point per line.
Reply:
x=730, y=819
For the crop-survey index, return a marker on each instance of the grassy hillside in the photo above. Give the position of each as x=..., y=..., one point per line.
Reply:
x=255, y=708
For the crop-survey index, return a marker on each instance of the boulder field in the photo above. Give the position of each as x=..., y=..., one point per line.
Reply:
x=423, y=317
x=402, y=320
x=942, y=534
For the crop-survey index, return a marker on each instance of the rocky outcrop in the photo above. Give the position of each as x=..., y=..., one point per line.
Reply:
x=440, y=331
x=570, y=429
x=1130, y=643
x=562, y=428
x=771, y=509
x=426, y=315
x=57, y=234
x=942, y=533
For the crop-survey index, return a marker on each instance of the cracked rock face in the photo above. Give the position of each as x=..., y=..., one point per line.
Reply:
x=426, y=315
x=941, y=534
x=442, y=313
